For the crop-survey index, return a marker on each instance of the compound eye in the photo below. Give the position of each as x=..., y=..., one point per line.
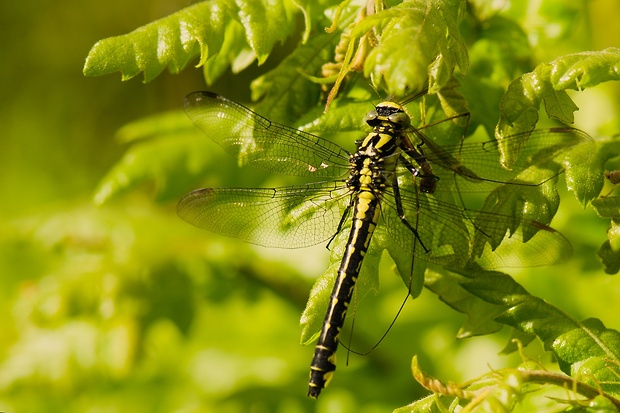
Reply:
x=399, y=119
x=371, y=118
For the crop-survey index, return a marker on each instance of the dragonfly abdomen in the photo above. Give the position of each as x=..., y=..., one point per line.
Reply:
x=365, y=216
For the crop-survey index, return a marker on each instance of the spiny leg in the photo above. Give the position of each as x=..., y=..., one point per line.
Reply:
x=401, y=214
x=343, y=219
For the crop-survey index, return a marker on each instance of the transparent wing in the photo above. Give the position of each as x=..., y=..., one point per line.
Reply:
x=258, y=142
x=288, y=217
x=480, y=163
x=452, y=236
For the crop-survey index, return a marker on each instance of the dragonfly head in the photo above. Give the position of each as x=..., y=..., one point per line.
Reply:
x=388, y=112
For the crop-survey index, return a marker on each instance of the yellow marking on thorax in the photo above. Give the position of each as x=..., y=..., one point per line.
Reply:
x=367, y=139
x=384, y=140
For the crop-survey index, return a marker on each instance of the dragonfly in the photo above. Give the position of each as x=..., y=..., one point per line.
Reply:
x=393, y=180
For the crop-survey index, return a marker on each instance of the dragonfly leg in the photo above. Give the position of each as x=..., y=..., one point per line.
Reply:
x=401, y=214
x=345, y=215
x=465, y=115
x=428, y=181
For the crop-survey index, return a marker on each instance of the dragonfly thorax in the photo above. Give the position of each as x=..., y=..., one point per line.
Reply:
x=374, y=162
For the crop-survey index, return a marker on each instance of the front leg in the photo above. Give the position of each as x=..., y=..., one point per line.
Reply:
x=428, y=181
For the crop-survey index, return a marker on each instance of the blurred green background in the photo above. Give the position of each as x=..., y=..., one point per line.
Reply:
x=116, y=309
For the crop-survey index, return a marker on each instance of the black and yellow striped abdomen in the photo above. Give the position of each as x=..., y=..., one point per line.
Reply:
x=372, y=171
x=365, y=216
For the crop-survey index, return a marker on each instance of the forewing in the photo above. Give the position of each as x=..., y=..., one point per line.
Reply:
x=258, y=142
x=535, y=159
x=288, y=217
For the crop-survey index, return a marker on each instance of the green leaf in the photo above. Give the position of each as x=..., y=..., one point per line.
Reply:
x=411, y=271
x=434, y=45
x=491, y=286
x=266, y=22
x=519, y=108
x=589, y=167
x=547, y=84
x=587, y=69
x=425, y=404
x=452, y=100
x=599, y=372
x=607, y=207
x=533, y=203
x=483, y=111
x=610, y=258
x=580, y=341
x=285, y=93
x=198, y=30
x=234, y=53
x=584, y=167
x=500, y=52
x=480, y=314
x=313, y=11
x=313, y=315
x=570, y=340
x=344, y=115
x=168, y=153
x=545, y=154
x=169, y=42
x=609, y=253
